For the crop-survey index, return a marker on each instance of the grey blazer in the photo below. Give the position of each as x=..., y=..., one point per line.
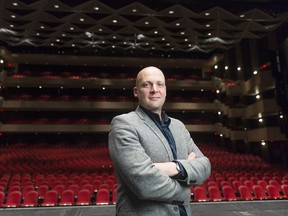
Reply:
x=135, y=143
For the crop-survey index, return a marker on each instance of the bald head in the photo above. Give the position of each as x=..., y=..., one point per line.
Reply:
x=150, y=70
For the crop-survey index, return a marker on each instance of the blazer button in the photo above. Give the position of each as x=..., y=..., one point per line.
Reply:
x=176, y=208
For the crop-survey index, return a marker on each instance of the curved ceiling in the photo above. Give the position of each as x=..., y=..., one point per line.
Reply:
x=129, y=28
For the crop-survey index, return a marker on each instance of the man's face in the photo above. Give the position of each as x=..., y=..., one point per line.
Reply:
x=151, y=89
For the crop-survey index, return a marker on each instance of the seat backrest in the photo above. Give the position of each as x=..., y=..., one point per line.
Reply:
x=31, y=197
x=51, y=196
x=228, y=192
x=83, y=197
x=259, y=192
x=14, y=197
x=103, y=196
x=67, y=197
x=200, y=194
x=245, y=192
x=273, y=191
x=214, y=193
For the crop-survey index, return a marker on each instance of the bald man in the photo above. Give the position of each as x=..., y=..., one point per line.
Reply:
x=155, y=159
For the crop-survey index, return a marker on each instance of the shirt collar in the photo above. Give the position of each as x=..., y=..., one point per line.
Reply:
x=155, y=117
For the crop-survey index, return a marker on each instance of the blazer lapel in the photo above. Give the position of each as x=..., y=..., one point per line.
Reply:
x=149, y=122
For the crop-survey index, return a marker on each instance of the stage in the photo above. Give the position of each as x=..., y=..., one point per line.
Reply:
x=232, y=208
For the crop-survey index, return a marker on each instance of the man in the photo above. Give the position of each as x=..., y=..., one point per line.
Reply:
x=154, y=157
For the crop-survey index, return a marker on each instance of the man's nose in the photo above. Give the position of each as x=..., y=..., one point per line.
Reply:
x=154, y=87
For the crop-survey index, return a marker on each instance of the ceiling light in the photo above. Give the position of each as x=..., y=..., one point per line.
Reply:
x=13, y=16
x=215, y=66
x=38, y=34
x=134, y=10
x=52, y=44
x=171, y=12
x=100, y=29
x=281, y=116
x=226, y=67
x=257, y=96
x=12, y=26
x=82, y=19
x=255, y=72
x=177, y=24
x=96, y=8
x=42, y=27
x=146, y=23
x=58, y=40
x=208, y=25
x=56, y=6
x=73, y=45
x=260, y=120
x=71, y=28
x=182, y=33
x=115, y=21
x=242, y=15
x=209, y=34
x=15, y=4
x=155, y=32
x=239, y=68
x=207, y=14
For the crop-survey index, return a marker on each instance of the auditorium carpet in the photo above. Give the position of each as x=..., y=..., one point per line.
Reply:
x=239, y=208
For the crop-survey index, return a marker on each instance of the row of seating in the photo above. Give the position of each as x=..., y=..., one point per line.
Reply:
x=80, y=121
x=53, y=198
x=99, y=75
x=244, y=193
x=89, y=98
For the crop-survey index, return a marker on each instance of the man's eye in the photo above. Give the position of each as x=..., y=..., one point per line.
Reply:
x=146, y=85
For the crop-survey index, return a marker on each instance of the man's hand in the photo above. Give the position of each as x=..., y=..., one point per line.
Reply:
x=191, y=156
x=170, y=167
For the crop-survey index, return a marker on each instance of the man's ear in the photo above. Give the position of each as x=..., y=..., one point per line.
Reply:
x=135, y=91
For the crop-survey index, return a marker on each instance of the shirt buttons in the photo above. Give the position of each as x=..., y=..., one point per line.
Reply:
x=176, y=208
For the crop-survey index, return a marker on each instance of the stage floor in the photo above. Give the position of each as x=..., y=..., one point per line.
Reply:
x=239, y=208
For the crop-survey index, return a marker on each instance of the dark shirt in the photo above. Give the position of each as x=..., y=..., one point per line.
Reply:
x=164, y=127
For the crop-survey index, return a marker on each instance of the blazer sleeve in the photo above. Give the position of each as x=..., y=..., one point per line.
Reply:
x=136, y=168
x=199, y=169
